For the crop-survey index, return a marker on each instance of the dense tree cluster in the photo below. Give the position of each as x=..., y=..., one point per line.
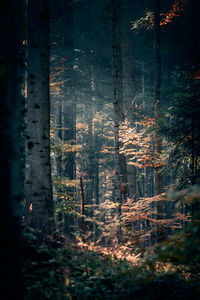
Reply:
x=100, y=127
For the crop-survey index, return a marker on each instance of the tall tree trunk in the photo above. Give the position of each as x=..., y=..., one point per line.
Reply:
x=59, y=135
x=157, y=95
x=59, y=120
x=38, y=184
x=10, y=156
x=69, y=157
x=91, y=143
x=128, y=87
x=69, y=107
x=193, y=175
x=96, y=192
x=96, y=231
x=157, y=90
x=117, y=104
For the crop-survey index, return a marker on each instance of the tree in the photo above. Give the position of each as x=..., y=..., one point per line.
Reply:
x=10, y=168
x=157, y=96
x=38, y=184
x=129, y=92
x=117, y=103
x=182, y=134
x=157, y=89
x=69, y=106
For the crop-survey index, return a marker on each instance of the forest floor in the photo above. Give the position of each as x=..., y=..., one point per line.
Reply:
x=85, y=271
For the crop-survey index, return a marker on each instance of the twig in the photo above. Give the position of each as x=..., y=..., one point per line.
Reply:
x=130, y=106
x=82, y=205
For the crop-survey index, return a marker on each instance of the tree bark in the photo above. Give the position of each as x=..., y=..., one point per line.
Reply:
x=128, y=87
x=91, y=143
x=82, y=205
x=157, y=90
x=69, y=111
x=59, y=120
x=38, y=183
x=117, y=105
x=157, y=96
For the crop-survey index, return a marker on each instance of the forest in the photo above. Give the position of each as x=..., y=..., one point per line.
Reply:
x=100, y=149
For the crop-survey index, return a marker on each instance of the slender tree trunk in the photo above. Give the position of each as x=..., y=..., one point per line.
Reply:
x=59, y=161
x=91, y=147
x=128, y=87
x=117, y=104
x=59, y=135
x=146, y=176
x=117, y=80
x=38, y=183
x=157, y=90
x=69, y=157
x=157, y=95
x=90, y=143
x=193, y=175
x=82, y=205
x=10, y=156
x=96, y=183
x=69, y=107
x=194, y=160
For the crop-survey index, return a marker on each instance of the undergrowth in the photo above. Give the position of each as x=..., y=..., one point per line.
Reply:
x=54, y=271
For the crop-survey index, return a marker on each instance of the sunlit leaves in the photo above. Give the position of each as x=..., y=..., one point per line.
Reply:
x=147, y=21
x=144, y=22
x=137, y=142
x=174, y=12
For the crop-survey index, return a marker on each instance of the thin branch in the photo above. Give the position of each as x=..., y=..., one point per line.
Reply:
x=133, y=102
